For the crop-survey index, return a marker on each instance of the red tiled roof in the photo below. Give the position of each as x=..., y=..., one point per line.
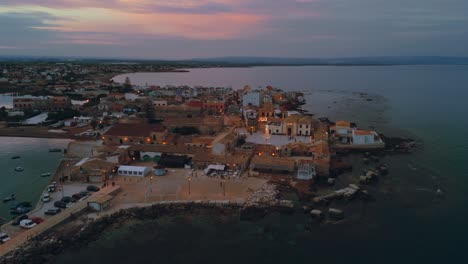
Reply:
x=134, y=130
x=363, y=132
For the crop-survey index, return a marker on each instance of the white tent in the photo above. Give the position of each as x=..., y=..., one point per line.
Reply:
x=215, y=167
x=138, y=171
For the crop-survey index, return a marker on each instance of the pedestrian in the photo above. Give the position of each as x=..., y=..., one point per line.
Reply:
x=221, y=184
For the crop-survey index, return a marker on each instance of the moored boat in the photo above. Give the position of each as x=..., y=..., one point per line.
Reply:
x=15, y=157
x=19, y=168
x=47, y=174
x=10, y=198
x=55, y=150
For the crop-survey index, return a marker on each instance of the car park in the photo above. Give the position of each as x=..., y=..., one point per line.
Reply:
x=4, y=238
x=53, y=211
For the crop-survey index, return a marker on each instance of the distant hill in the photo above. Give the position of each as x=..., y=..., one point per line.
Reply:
x=421, y=60
x=257, y=61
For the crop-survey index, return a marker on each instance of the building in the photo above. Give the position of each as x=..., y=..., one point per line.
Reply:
x=139, y=133
x=251, y=99
x=218, y=105
x=60, y=103
x=92, y=170
x=157, y=103
x=133, y=171
x=99, y=203
x=364, y=137
x=306, y=170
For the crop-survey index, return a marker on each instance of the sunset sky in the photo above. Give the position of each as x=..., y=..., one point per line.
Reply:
x=177, y=29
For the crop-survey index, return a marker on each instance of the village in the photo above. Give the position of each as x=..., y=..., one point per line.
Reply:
x=215, y=145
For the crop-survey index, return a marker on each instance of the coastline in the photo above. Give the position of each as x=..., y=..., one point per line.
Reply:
x=33, y=132
x=78, y=231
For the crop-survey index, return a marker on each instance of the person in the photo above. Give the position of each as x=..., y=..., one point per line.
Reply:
x=113, y=184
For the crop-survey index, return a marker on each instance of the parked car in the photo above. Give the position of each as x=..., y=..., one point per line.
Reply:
x=92, y=188
x=77, y=196
x=18, y=219
x=60, y=204
x=4, y=238
x=51, y=188
x=85, y=193
x=27, y=223
x=37, y=220
x=53, y=211
x=68, y=199
x=46, y=198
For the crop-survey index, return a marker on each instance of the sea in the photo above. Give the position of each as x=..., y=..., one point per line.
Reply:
x=406, y=222
x=35, y=159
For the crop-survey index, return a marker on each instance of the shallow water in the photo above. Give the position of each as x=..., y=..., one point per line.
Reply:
x=36, y=159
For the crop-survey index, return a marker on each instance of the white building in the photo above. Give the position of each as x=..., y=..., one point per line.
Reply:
x=252, y=98
x=133, y=171
x=363, y=137
x=160, y=103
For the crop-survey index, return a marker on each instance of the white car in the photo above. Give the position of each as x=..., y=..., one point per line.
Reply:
x=27, y=223
x=4, y=238
x=46, y=198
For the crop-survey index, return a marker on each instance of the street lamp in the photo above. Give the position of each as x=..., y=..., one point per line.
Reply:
x=189, y=180
x=224, y=187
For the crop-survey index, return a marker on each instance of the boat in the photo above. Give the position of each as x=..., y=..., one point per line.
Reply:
x=55, y=150
x=19, y=168
x=15, y=157
x=10, y=198
x=47, y=174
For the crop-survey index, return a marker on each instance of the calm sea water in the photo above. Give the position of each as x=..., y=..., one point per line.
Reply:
x=35, y=159
x=407, y=223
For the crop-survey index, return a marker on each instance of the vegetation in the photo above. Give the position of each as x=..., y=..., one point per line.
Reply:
x=66, y=114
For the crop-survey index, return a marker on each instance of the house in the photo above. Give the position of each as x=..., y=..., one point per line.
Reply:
x=363, y=137
x=269, y=164
x=99, y=203
x=293, y=125
x=251, y=99
x=91, y=170
x=138, y=133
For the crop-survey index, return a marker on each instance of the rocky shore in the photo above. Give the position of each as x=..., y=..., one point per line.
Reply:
x=80, y=231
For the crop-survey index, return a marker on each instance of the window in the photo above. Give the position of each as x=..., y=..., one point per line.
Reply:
x=120, y=172
x=140, y=173
x=125, y=172
x=134, y=173
x=300, y=126
x=307, y=126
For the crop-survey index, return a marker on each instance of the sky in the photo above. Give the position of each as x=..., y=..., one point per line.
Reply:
x=183, y=29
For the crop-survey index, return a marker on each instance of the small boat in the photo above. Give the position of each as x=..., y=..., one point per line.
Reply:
x=47, y=174
x=15, y=157
x=10, y=198
x=19, y=168
x=55, y=150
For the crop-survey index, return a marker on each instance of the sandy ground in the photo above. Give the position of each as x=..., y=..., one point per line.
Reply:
x=175, y=186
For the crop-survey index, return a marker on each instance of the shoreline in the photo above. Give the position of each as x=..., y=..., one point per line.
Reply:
x=78, y=231
x=33, y=132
